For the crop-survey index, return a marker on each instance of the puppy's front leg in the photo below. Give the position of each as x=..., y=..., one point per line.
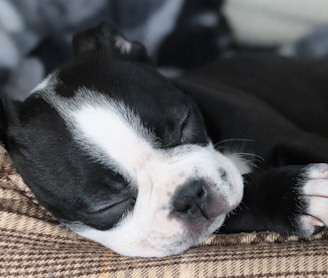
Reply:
x=289, y=199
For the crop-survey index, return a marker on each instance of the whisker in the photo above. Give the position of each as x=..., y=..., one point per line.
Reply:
x=233, y=140
x=233, y=148
x=248, y=154
x=252, y=159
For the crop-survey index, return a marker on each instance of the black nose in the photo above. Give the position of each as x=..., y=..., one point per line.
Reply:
x=191, y=199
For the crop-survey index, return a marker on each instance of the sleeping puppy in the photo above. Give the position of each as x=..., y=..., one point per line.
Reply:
x=129, y=159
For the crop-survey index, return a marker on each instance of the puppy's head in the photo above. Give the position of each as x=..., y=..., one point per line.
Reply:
x=119, y=154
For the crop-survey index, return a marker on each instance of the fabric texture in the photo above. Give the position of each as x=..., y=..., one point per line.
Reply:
x=34, y=244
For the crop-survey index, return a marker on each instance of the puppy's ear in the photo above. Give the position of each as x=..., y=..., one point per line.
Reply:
x=9, y=114
x=105, y=36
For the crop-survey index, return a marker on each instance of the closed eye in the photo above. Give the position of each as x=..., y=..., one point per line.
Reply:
x=185, y=128
x=192, y=129
x=103, y=206
x=104, y=216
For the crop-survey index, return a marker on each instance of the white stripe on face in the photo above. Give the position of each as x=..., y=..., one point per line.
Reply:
x=117, y=132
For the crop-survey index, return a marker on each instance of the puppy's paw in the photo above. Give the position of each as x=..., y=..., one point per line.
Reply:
x=314, y=195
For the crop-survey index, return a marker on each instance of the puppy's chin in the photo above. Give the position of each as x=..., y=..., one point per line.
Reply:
x=129, y=241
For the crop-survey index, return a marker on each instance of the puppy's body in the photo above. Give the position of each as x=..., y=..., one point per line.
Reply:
x=267, y=95
x=274, y=110
x=122, y=156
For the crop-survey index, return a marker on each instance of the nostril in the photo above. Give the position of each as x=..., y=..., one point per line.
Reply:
x=185, y=208
x=191, y=199
x=201, y=192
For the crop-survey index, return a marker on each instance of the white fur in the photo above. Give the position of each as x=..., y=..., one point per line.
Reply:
x=46, y=85
x=242, y=164
x=315, y=191
x=105, y=126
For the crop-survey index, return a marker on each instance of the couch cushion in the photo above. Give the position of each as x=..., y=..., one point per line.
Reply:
x=34, y=244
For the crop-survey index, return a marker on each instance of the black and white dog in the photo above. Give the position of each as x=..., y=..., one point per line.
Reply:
x=129, y=159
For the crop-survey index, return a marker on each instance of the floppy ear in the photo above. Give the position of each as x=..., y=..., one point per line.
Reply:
x=105, y=36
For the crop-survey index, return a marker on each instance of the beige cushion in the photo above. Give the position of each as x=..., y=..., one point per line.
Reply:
x=33, y=244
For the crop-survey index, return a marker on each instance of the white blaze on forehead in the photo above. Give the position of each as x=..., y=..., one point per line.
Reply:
x=118, y=134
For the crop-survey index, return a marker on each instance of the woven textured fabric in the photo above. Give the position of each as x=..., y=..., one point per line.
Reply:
x=34, y=244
